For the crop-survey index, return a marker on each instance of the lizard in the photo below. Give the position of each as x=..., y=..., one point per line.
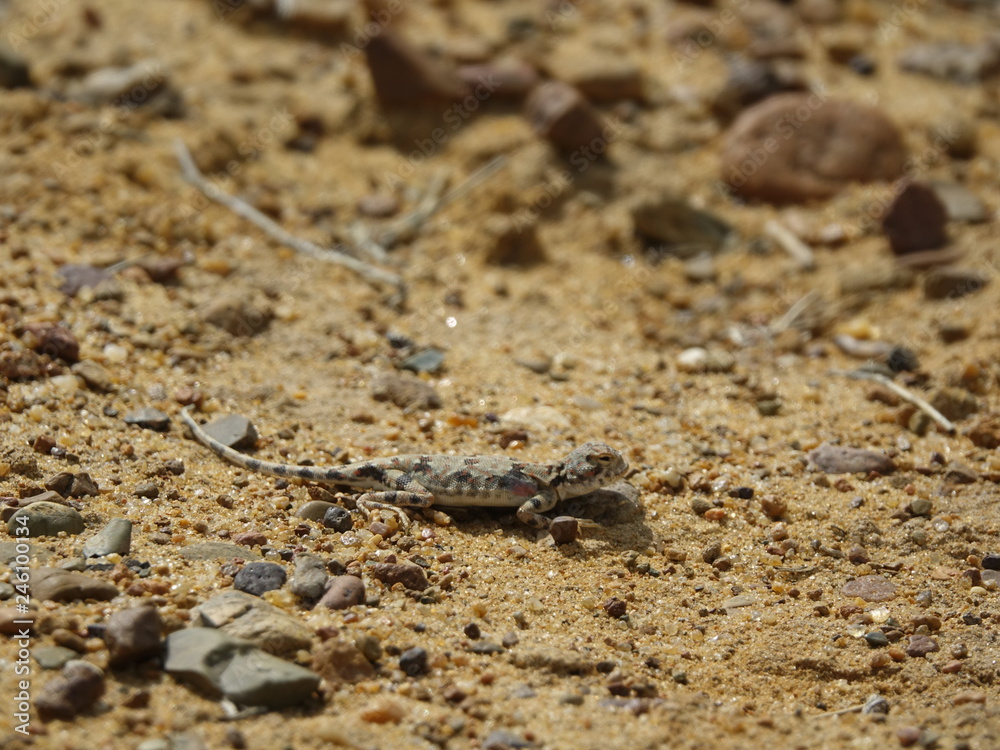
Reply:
x=424, y=480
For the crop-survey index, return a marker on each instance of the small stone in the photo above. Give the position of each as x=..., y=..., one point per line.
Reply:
x=343, y=592
x=921, y=506
x=53, y=657
x=960, y=203
x=259, y=577
x=406, y=391
x=669, y=225
x=413, y=662
x=404, y=76
x=58, y=342
x=133, y=635
x=598, y=75
x=147, y=490
x=83, y=486
x=564, y=529
x=876, y=704
x=509, y=78
x=338, y=519
x=796, y=147
x=76, y=689
x=384, y=711
x=216, y=551
x=339, y=661
x=309, y=579
x=237, y=316
x=148, y=418
x=58, y=585
x=615, y=607
x=952, y=283
x=429, y=360
x=908, y=736
x=871, y=588
x=314, y=510
x=510, y=243
x=45, y=519
x=985, y=433
x=876, y=639
x=114, y=538
x=916, y=220
x=21, y=365
x=921, y=645
x=145, y=83
x=502, y=739
x=14, y=73
x=741, y=600
x=250, y=539
x=560, y=114
x=252, y=619
x=233, y=430
x=77, y=277
x=836, y=459
x=991, y=561
x=411, y=576
x=858, y=555
x=60, y=483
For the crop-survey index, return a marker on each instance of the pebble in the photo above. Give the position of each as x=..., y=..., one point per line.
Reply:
x=871, y=588
x=252, y=619
x=429, y=360
x=57, y=341
x=404, y=76
x=338, y=519
x=145, y=83
x=339, y=661
x=564, y=529
x=960, y=203
x=512, y=244
x=147, y=490
x=413, y=662
x=216, y=662
x=669, y=225
x=958, y=473
x=10, y=550
x=406, y=391
x=512, y=79
x=410, y=575
x=502, y=739
x=53, y=657
x=309, y=578
x=876, y=704
x=114, y=538
x=314, y=510
x=953, y=61
x=259, y=577
x=343, y=592
x=83, y=486
x=148, y=418
x=233, y=430
x=792, y=148
x=877, y=639
x=378, y=205
x=985, y=433
x=921, y=506
x=22, y=364
x=383, y=711
x=133, y=635
x=991, y=561
x=237, y=316
x=741, y=600
x=76, y=689
x=916, y=220
x=216, y=551
x=921, y=645
x=598, y=75
x=563, y=116
x=908, y=736
x=837, y=459
x=58, y=585
x=46, y=519
x=249, y=539
x=952, y=283
x=14, y=72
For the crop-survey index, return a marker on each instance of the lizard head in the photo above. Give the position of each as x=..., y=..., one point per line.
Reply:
x=590, y=467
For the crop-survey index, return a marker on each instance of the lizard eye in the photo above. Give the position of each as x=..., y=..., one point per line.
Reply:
x=604, y=459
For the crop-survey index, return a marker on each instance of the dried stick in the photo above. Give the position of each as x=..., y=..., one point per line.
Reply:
x=241, y=208
x=904, y=394
x=794, y=312
x=800, y=251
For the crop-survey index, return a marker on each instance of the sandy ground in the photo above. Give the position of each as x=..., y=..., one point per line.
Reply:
x=687, y=665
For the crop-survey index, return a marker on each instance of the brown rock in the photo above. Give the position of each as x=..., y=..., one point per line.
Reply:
x=564, y=529
x=837, y=459
x=23, y=364
x=56, y=341
x=9, y=617
x=237, y=316
x=343, y=592
x=597, y=74
x=560, y=114
x=921, y=645
x=411, y=576
x=916, y=220
x=133, y=635
x=58, y=585
x=405, y=76
x=406, y=391
x=793, y=148
x=951, y=283
x=338, y=661
x=77, y=688
x=985, y=433
x=504, y=79
x=870, y=588
x=512, y=243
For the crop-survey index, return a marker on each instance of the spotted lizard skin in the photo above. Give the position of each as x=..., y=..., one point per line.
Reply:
x=422, y=480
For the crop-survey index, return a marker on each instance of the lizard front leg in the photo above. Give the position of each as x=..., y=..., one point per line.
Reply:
x=529, y=512
x=406, y=492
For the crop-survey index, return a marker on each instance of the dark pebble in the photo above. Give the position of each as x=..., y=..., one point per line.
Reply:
x=876, y=639
x=414, y=662
x=614, y=607
x=991, y=561
x=562, y=115
x=133, y=635
x=472, y=631
x=148, y=490
x=916, y=220
x=259, y=577
x=77, y=688
x=564, y=529
x=337, y=518
x=836, y=459
x=411, y=576
x=921, y=645
x=56, y=341
x=148, y=418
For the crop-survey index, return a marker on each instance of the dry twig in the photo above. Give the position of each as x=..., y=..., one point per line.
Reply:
x=904, y=394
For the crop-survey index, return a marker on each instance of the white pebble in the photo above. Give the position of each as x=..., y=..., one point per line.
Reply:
x=115, y=354
x=692, y=360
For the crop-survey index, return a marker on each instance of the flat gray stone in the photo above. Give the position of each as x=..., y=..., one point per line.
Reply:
x=315, y=510
x=9, y=552
x=309, y=578
x=53, y=657
x=46, y=519
x=58, y=585
x=254, y=620
x=217, y=551
x=219, y=663
x=114, y=538
x=148, y=418
x=429, y=360
x=671, y=226
x=234, y=430
x=838, y=459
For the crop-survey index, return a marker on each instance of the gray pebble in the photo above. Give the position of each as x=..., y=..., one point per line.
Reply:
x=95, y=376
x=259, y=577
x=876, y=639
x=501, y=739
x=115, y=537
x=244, y=616
x=216, y=551
x=405, y=391
x=921, y=507
x=6, y=590
x=148, y=490
x=53, y=657
x=413, y=661
x=872, y=588
x=234, y=431
x=429, y=360
x=309, y=578
x=338, y=519
x=148, y=418
x=951, y=283
x=315, y=510
x=46, y=519
x=671, y=226
x=837, y=459
x=57, y=585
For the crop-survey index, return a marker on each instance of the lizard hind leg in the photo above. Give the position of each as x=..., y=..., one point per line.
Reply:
x=394, y=501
